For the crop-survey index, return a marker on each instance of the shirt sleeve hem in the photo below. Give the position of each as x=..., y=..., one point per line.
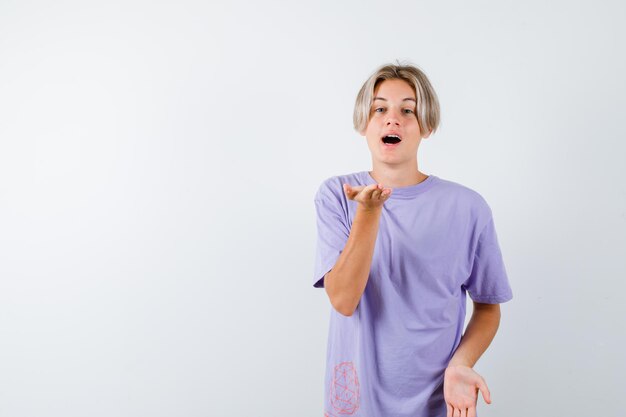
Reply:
x=492, y=299
x=319, y=280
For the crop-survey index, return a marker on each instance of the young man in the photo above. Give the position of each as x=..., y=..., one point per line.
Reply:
x=397, y=250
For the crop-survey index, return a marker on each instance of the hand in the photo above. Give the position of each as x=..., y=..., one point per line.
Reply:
x=460, y=390
x=370, y=197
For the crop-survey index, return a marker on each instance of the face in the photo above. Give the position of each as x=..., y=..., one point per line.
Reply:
x=393, y=110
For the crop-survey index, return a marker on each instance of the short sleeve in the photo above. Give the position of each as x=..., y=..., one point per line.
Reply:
x=332, y=233
x=488, y=281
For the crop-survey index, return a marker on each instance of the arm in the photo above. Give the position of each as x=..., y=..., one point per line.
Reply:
x=489, y=279
x=461, y=382
x=346, y=281
x=480, y=331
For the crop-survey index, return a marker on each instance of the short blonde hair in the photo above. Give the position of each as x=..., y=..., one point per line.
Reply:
x=427, y=111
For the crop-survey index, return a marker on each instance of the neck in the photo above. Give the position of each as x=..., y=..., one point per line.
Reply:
x=397, y=177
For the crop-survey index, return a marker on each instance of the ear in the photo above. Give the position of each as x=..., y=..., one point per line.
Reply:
x=427, y=135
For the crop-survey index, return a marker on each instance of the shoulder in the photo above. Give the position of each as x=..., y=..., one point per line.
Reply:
x=467, y=198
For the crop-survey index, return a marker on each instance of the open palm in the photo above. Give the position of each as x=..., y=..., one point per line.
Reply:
x=460, y=389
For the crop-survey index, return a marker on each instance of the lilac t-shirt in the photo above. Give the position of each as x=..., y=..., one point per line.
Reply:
x=436, y=239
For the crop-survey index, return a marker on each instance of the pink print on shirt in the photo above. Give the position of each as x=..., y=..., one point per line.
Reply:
x=344, y=390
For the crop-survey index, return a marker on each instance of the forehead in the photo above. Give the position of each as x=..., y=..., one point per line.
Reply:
x=394, y=90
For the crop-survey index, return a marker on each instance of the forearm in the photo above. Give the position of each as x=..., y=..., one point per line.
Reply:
x=346, y=281
x=480, y=331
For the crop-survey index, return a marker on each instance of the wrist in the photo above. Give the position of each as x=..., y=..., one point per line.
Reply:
x=369, y=211
x=459, y=362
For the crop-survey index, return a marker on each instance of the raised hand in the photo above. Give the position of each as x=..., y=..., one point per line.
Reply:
x=370, y=197
x=460, y=390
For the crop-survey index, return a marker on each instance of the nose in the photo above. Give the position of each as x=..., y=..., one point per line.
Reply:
x=392, y=118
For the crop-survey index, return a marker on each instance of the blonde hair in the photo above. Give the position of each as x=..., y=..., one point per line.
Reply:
x=427, y=111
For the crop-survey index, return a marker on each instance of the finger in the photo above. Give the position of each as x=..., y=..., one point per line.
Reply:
x=368, y=192
x=457, y=412
x=450, y=409
x=384, y=192
x=348, y=189
x=374, y=187
x=482, y=386
x=364, y=189
x=464, y=412
x=377, y=192
x=471, y=412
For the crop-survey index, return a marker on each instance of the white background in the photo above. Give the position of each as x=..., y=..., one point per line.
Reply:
x=158, y=162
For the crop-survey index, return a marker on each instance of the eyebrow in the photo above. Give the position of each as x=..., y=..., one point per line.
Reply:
x=404, y=99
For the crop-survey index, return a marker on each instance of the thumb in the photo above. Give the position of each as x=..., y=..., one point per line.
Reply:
x=482, y=386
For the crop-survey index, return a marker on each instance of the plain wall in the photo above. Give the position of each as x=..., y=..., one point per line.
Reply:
x=158, y=163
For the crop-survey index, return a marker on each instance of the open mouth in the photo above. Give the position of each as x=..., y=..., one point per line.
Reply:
x=391, y=139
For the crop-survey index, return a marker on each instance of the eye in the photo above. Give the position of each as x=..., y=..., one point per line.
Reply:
x=379, y=108
x=410, y=111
